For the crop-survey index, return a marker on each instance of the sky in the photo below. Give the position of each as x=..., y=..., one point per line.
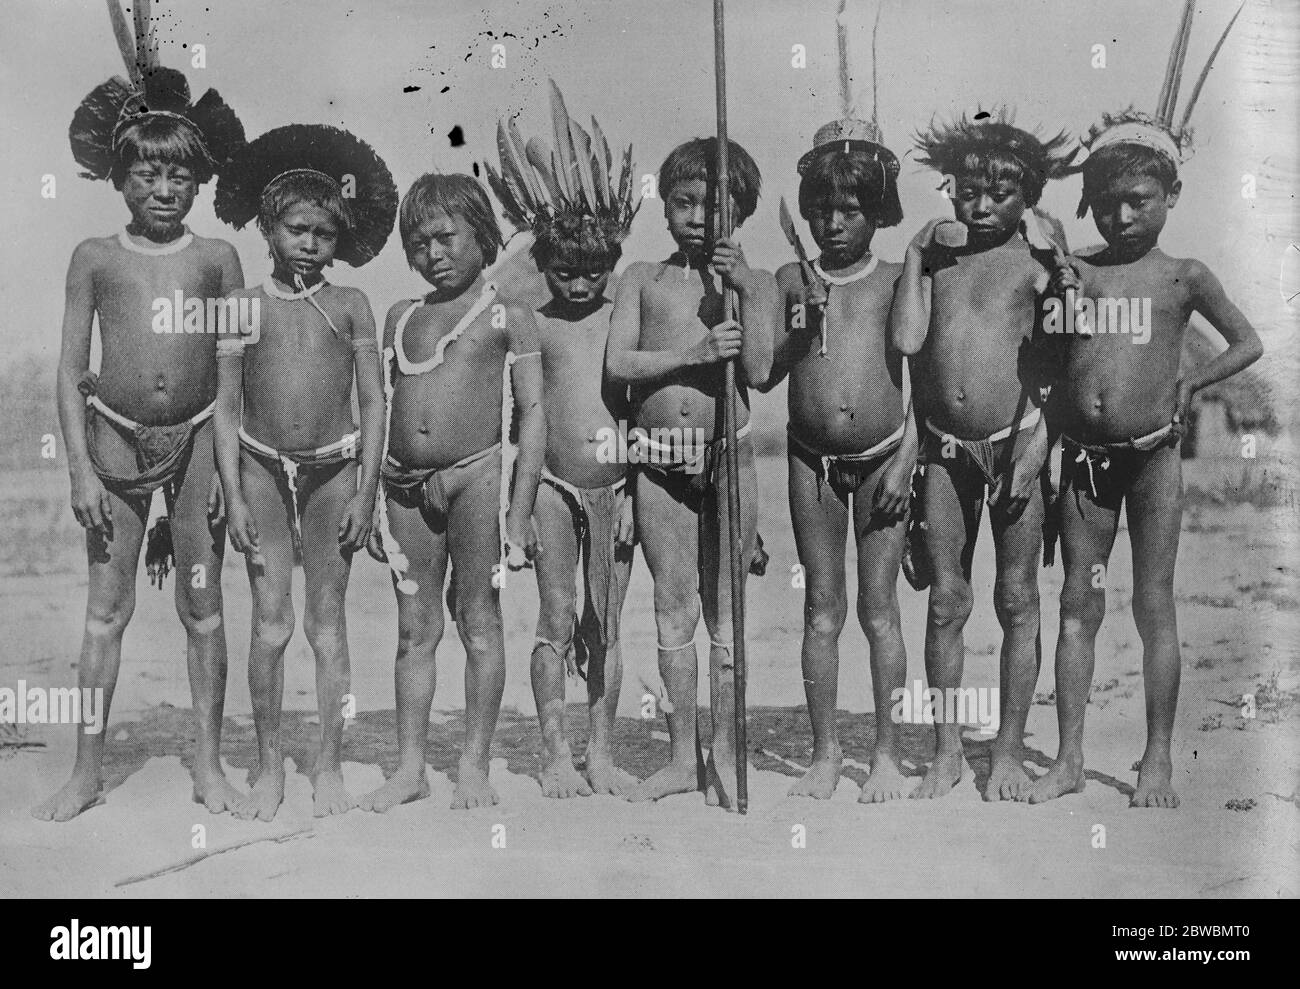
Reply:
x=645, y=70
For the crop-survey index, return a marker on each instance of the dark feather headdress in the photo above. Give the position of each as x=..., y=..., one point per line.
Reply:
x=946, y=147
x=1162, y=130
x=148, y=90
x=546, y=191
x=364, y=182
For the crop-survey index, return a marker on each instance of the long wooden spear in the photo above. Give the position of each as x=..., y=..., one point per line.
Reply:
x=734, y=545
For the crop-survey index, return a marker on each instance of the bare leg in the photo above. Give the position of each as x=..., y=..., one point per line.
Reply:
x=419, y=630
x=474, y=540
x=326, y=566
x=715, y=595
x=1018, y=544
x=110, y=601
x=1155, y=512
x=669, y=539
x=953, y=493
x=273, y=622
x=1087, y=535
x=555, y=587
x=821, y=522
x=199, y=549
x=880, y=555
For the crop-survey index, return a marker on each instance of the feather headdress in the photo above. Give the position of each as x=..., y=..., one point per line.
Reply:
x=148, y=90
x=364, y=182
x=576, y=185
x=850, y=132
x=1162, y=130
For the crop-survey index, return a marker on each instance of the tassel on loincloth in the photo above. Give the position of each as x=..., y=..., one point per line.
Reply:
x=159, y=550
x=758, y=562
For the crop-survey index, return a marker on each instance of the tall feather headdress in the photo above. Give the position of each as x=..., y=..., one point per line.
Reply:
x=544, y=190
x=1162, y=130
x=148, y=90
x=361, y=176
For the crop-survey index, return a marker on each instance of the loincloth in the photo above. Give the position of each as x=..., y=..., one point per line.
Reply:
x=594, y=513
x=983, y=453
x=844, y=471
x=687, y=479
x=289, y=462
x=1105, y=470
x=434, y=489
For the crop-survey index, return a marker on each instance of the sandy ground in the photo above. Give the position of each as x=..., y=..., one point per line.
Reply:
x=1237, y=833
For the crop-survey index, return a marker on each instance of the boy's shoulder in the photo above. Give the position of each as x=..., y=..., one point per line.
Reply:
x=215, y=246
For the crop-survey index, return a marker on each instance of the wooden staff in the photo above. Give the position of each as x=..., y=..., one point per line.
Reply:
x=734, y=544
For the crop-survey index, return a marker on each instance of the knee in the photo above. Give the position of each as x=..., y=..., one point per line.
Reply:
x=825, y=613
x=199, y=613
x=324, y=630
x=555, y=619
x=950, y=603
x=479, y=627
x=878, y=613
x=1082, y=611
x=1153, y=611
x=274, y=631
x=676, y=616
x=418, y=636
x=108, y=619
x=1016, y=603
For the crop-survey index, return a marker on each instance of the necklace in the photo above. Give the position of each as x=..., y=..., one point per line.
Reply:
x=179, y=244
x=839, y=280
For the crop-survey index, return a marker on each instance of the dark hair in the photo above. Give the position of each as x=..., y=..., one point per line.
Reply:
x=160, y=137
x=856, y=174
x=577, y=241
x=303, y=186
x=1122, y=158
x=697, y=160
x=992, y=147
x=453, y=194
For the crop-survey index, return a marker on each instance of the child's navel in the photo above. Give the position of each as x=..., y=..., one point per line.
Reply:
x=161, y=384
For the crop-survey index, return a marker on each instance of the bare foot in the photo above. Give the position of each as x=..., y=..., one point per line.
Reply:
x=81, y=792
x=559, y=779
x=886, y=781
x=720, y=779
x=401, y=788
x=673, y=778
x=330, y=796
x=472, y=789
x=1155, y=786
x=604, y=777
x=215, y=792
x=264, y=797
x=1065, y=776
x=944, y=773
x=821, y=779
x=1007, y=778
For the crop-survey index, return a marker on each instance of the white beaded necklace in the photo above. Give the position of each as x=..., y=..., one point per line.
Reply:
x=839, y=280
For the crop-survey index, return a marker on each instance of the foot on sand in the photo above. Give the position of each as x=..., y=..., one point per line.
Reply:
x=1065, y=776
x=720, y=779
x=886, y=781
x=944, y=773
x=1007, y=778
x=560, y=780
x=401, y=788
x=215, y=792
x=1155, y=786
x=330, y=796
x=604, y=777
x=822, y=777
x=472, y=789
x=81, y=792
x=673, y=778
x=264, y=796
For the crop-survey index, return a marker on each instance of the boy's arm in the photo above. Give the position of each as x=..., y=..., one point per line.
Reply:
x=226, y=421
x=894, y=492
x=90, y=502
x=1244, y=346
x=909, y=316
x=758, y=310
x=626, y=365
x=526, y=379
x=232, y=272
x=370, y=396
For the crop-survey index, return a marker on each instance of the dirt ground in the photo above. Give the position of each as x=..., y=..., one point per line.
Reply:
x=1237, y=833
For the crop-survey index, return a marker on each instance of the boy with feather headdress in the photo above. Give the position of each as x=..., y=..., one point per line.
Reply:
x=583, y=510
x=144, y=422
x=1121, y=406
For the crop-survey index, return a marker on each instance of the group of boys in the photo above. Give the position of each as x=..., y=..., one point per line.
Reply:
x=483, y=421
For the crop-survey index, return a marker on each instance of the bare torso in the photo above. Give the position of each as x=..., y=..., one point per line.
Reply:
x=852, y=398
x=983, y=309
x=579, y=407
x=675, y=311
x=1112, y=388
x=155, y=378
